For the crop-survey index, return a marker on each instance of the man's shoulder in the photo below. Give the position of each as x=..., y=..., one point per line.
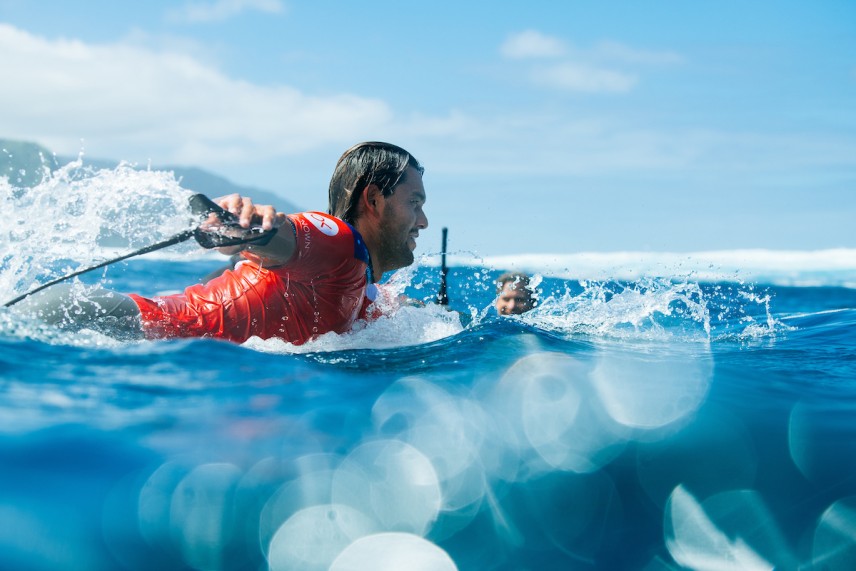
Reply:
x=318, y=232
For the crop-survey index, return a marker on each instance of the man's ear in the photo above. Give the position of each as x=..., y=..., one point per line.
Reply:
x=372, y=199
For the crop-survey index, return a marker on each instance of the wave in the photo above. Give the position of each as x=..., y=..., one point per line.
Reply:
x=835, y=267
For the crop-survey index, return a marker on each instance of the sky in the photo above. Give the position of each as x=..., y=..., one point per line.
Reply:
x=545, y=127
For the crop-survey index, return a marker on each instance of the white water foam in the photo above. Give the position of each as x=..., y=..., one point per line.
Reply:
x=831, y=267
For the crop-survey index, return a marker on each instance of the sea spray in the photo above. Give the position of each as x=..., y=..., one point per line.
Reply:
x=79, y=215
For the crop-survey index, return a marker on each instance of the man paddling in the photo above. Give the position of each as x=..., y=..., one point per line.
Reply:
x=315, y=275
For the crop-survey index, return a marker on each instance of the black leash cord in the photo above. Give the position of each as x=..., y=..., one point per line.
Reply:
x=178, y=238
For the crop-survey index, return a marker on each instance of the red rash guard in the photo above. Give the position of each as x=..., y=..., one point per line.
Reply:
x=321, y=288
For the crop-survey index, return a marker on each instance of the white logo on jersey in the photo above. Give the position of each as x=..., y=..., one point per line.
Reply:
x=323, y=223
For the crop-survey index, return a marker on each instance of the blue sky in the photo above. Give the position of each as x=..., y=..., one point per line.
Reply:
x=545, y=127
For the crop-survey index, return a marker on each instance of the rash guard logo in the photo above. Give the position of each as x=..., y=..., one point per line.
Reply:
x=323, y=223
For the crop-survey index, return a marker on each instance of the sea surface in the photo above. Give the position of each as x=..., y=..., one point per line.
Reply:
x=655, y=411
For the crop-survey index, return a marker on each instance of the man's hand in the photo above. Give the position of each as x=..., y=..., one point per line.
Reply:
x=280, y=248
x=249, y=213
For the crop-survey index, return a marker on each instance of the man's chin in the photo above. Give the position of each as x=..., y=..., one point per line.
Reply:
x=407, y=258
x=404, y=259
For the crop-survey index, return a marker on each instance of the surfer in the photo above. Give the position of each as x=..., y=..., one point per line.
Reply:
x=316, y=274
x=513, y=294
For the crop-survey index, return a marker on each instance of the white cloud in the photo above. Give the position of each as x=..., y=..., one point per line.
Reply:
x=131, y=101
x=583, y=78
x=223, y=9
x=531, y=44
x=582, y=70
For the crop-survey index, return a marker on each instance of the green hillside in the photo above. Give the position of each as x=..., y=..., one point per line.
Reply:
x=24, y=164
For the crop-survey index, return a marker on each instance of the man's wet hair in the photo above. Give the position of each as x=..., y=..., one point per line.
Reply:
x=513, y=277
x=382, y=164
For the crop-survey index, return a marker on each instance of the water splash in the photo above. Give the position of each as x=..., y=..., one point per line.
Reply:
x=652, y=309
x=79, y=215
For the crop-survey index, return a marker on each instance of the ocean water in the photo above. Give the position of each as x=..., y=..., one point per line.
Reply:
x=655, y=411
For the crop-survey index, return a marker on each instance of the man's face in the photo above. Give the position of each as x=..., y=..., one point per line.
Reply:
x=400, y=222
x=513, y=299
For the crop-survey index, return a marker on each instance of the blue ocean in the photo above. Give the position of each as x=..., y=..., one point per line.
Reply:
x=653, y=412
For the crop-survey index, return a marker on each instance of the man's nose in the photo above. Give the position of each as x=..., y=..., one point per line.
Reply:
x=422, y=220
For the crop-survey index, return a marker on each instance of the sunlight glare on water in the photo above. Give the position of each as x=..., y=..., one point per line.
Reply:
x=393, y=482
x=312, y=538
x=547, y=402
x=202, y=517
x=311, y=487
x=447, y=429
x=652, y=387
x=834, y=544
x=730, y=530
x=393, y=552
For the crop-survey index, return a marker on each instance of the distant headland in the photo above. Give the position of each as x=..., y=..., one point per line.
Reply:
x=24, y=164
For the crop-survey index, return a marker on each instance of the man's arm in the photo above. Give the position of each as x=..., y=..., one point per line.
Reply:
x=280, y=248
